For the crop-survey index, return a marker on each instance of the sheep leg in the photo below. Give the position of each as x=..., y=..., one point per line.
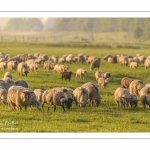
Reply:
x=54, y=107
x=63, y=108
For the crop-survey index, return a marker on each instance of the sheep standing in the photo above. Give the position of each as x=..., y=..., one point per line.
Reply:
x=95, y=64
x=81, y=73
x=125, y=82
x=21, y=97
x=122, y=97
x=80, y=95
x=23, y=69
x=54, y=97
x=12, y=65
x=38, y=93
x=102, y=82
x=3, y=65
x=21, y=82
x=93, y=93
x=133, y=65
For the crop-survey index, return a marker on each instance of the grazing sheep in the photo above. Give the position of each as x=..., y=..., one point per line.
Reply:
x=145, y=96
x=54, y=97
x=34, y=66
x=80, y=95
x=102, y=82
x=48, y=65
x=133, y=100
x=135, y=86
x=23, y=69
x=90, y=59
x=19, y=97
x=100, y=73
x=147, y=63
x=60, y=68
x=54, y=59
x=122, y=97
x=21, y=82
x=3, y=95
x=8, y=74
x=38, y=93
x=66, y=75
x=81, y=73
x=93, y=93
x=95, y=64
x=125, y=82
x=9, y=80
x=133, y=65
x=106, y=57
x=12, y=65
x=123, y=60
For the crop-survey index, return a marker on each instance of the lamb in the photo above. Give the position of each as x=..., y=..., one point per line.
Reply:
x=8, y=74
x=23, y=69
x=135, y=86
x=93, y=93
x=12, y=65
x=3, y=95
x=102, y=82
x=122, y=97
x=66, y=75
x=95, y=64
x=145, y=96
x=125, y=82
x=80, y=95
x=21, y=97
x=133, y=65
x=81, y=73
x=54, y=97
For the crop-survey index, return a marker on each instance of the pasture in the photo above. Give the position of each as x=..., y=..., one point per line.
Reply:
x=105, y=118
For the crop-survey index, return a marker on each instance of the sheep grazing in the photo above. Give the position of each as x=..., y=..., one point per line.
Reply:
x=66, y=75
x=123, y=60
x=125, y=82
x=147, y=63
x=133, y=100
x=48, y=65
x=23, y=69
x=95, y=64
x=3, y=95
x=122, y=97
x=8, y=80
x=93, y=93
x=8, y=74
x=100, y=73
x=20, y=97
x=21, y=82
x=102, y=82
x=133, y=65
x=12, y=64
x=81, y=73
x=56, y=98
x=80, y=95
x=3, y=65
x=135, y=86
x=145, y=96
x=60, y=68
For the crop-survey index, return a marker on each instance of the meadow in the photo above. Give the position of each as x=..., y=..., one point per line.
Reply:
x=105, y=118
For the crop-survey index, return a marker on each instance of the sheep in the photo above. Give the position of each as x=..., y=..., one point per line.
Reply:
x=125, y=82
x=48, y=65
x=133, y=100
x=95, y=64
x=93, y=93
x=102, y=82
x=54, y=59
x=145, y=96
x=54, y=97
x=12, y=65
x=66, y=75
x=101, y=73
x=34, y=66
x=21, y=82
x=60, y=68
x=20, y=97
x=80, y=95
x=106, y=57
x=90, y=59
x=3, y=95
x=81, y=73
x=123, y=60
x=122, y=97
x=135, y=86
x=23, y=69
x=133, y=65
x=3, y=65
x=38, y=93
x=8, y=74
x=147, y=63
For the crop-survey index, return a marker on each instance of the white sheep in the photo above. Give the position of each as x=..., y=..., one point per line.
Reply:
x=81, y=73
x=3, y=95
x=102, y=82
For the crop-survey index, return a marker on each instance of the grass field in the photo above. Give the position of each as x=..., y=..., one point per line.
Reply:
x=105, y=118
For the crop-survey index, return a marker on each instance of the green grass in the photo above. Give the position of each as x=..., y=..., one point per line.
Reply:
x=105, y=118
